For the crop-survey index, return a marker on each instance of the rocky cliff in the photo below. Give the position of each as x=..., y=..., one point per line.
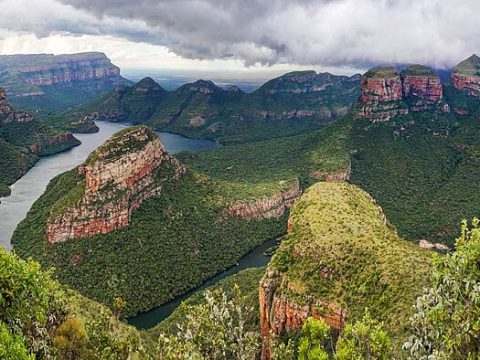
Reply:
x=47, y=82
x=268, y=208
x=49, y=69
x=113, y=182
x=466, y=76
x=340, y=256
x=385, y=92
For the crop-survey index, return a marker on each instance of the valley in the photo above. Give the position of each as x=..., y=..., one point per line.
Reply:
x=355, y=174
x=30, y=186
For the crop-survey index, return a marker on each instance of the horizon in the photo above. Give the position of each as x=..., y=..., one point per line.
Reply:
x=214, y=36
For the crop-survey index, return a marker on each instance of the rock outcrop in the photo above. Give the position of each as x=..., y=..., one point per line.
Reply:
x=279, y=314
x=386, y=93
x=49, y=69
x=337, y=257
x=466, y=76
x=116, y=179
x=273, y=207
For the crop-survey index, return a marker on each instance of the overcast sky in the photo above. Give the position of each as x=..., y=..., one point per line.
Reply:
x=343, y=36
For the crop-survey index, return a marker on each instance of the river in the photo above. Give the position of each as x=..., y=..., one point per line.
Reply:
x=254, y=258
x=27, y=189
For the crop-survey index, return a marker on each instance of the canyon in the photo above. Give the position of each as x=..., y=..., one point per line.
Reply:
x=42, y=83
x=113, y=182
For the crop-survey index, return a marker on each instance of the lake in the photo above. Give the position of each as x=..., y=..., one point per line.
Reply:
x=26, y=190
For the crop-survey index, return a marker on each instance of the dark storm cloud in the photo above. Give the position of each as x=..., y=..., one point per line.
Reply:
x=336, y=32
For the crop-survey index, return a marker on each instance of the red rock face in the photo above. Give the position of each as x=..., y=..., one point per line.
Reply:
x=470, y=84
x=375, y=90
x=115, y=186
x=383, y=97
x=423, y=87
x=273, y=207
x=278, y=313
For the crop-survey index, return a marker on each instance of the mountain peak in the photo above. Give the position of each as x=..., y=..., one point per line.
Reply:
x=114, y=181
x=147, y=84
x=469, y=66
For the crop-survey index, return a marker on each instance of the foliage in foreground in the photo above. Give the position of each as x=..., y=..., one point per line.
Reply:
x=446, y=324
x=365, y=339
x=215, y=330
x=40, y=319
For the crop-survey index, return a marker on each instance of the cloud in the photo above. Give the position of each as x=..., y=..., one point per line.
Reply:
x=350, y=33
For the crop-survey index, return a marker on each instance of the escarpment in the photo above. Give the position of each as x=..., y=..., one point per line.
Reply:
x=268, y=208
x=339, y=257
x=114, y=181
x=48, y=69
x=386, y=93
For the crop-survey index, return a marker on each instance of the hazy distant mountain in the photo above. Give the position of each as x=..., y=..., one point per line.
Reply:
x=46, y=82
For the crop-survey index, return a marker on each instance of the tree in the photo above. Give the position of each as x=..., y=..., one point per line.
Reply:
x=12, y=347
x=118, y=306
x=364, y=339
x=70, y=339
x=31, y=302
x=446, y=324
x=214, y=330
x=314, y=339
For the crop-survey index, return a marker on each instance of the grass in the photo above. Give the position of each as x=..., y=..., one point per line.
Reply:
x=343, y=251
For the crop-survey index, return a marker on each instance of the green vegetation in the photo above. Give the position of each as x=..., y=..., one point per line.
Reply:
x=214, y=330
x=246, y=280
x=21, y=142
x=446, y=324
x=270, y=165
x=41, y=319
x=178, y=229
x=469, y=67
x=347, y=255
x=417, y=166
x=14, y=163
x=26, y=134
x=362, y=340
x=418, y=70
x=382, y=72
x=204, y=110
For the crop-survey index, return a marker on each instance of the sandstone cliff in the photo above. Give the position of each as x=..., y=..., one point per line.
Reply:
x=340, y=256
x=114, y=181
x=385, y=92
x=45, y=83
x=273, y=207
x=47, y=69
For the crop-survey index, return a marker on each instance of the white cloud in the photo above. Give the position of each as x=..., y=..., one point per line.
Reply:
x=329, y=33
